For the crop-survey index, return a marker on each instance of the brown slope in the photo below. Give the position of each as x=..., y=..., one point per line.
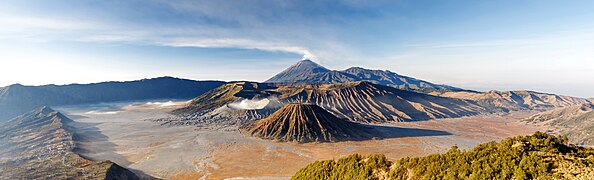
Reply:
x=577, y=122
x=307, y=123
x=561, y=114
x=223, y=95
x=39, y=145
x=213, y=107
x=367, y=102
x=517, y=100
x=356, y=101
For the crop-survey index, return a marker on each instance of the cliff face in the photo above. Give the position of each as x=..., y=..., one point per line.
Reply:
x=307, y=123
x=39, y=144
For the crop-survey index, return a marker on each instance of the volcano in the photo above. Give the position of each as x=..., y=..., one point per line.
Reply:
x=307, y=123
x=307, y=71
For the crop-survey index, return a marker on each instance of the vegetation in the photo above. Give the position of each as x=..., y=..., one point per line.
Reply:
x=539, y=156
x=351, y=167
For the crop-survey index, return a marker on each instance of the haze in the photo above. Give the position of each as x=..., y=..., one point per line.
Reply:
x=505, y=45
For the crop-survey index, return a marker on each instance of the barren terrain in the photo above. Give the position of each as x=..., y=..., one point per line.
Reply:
x=124, y=133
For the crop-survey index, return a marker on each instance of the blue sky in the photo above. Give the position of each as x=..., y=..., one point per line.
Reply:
x=506, y=45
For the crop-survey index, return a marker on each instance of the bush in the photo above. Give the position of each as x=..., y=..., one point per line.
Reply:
x=522, y=157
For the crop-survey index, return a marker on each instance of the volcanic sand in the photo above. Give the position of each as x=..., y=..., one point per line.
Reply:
x=125, y=134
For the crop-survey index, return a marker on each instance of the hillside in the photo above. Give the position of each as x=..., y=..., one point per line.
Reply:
x=216, y=107
x=307, y=123
x=367, y=102
x=539, y=156
x=355, y=101
x=39, y=145
x=17, y=99
x=307, y=71
x=576, y=122
x=515, y=100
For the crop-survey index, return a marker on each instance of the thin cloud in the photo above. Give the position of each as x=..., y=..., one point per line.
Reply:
x=240, y=44
x=263, y=25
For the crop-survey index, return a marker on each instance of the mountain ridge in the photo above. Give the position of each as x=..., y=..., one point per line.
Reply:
x=576, y=122
x=516, y=100
x=17, y=99
x=360, y=101
x=42, y=140
x=383, y=77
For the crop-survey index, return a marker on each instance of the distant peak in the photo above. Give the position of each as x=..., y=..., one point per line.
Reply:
x=355, y=69
x=15, y=86
x=159, y=78
x=307, y=64
x=307, y=61
x=298, y=71
x=363, y=84
x=44, y=110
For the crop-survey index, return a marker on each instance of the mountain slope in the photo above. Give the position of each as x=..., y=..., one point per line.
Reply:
x=539, y=156
x=17, y=99
x=309, y=72
x=229, y=104
x=224, y=94
x=355, y=101
x=392, y=79
x=300, y=70
x=307, y=123
x=39, y=144
x=367, y=102
x=516, y=100
x=577, y=122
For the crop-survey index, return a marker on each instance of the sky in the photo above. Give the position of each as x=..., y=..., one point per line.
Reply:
x=539, y=45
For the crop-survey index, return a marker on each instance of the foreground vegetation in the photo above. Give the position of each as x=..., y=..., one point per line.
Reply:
x=539, y=156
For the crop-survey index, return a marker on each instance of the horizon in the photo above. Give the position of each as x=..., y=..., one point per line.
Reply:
x=542, y=46
x=168, y=76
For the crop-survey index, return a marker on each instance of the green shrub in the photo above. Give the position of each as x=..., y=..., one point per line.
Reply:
x=522, y=157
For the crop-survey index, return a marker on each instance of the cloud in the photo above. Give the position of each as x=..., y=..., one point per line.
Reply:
x=44, y=30
x=241, y=44
x=275, y=26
